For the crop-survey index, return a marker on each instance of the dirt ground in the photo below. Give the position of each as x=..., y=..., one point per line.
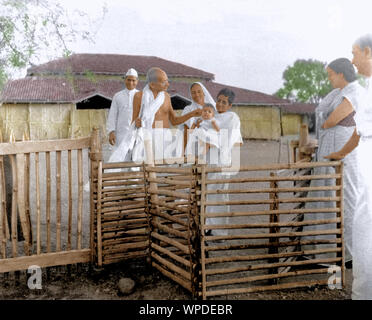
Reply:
x=86, y=282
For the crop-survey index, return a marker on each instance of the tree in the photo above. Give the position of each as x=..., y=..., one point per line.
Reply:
x=305, y=81
x=31, y=29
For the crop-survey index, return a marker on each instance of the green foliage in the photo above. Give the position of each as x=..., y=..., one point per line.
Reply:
x=90, y=76
x=31, y=30
x=305, y=81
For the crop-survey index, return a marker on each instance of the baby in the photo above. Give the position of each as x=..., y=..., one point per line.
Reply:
x=204, y=130
x=207, y=120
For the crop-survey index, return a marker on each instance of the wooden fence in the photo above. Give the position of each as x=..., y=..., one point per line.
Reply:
x=267, y=244
x=43, y=225
x=267, y=237
x=267, y=221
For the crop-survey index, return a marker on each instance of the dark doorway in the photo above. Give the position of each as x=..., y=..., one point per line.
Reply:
x=95, y=102
x=178, y=103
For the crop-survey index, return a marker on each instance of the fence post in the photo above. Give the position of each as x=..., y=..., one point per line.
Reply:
x=203, y=176
x=95, y=156
x=340, y=204
x=147, y=211
x=274, y=218
x=195, y=232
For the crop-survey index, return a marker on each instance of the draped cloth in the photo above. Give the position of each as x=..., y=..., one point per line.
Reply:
x=362, y=222
x=230, y=134
x=329, y=141
x=149, y=107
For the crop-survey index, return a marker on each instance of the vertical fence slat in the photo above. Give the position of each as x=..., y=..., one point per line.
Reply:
x=95, y=157
x=202, y=218
x=274, y=218
x=3, y=221
x=48, y=201
x=27, y=197
x=80, y=199
x=21, y=201
x=14, y=207
x=58, y=200
x=69, y=230
x=27, y=157
x=38, y=209
x=99, y=226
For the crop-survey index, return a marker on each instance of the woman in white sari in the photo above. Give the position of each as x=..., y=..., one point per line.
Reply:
x=335, y=124
x=200, y=96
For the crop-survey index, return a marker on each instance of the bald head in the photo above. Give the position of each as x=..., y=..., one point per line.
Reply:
x=153, y=74
x=157, y=79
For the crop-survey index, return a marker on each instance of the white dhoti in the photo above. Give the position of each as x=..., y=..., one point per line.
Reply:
x=362, y=224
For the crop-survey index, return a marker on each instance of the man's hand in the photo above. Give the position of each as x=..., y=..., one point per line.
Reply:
x=335, y=156
x=138, y=123
x=112, y=138
x=197, y=112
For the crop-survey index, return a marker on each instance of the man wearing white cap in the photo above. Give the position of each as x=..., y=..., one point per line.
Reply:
x=120, y=116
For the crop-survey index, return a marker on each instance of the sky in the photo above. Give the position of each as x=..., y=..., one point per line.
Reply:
x=245, y=43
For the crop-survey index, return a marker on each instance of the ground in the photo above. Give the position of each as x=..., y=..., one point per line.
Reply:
x=86, y=282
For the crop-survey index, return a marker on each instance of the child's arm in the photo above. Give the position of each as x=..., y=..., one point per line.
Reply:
x=215, y=126
x=198, y=122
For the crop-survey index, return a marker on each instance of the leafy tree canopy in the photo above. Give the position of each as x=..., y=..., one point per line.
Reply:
x=305, y=81
x=31, y=29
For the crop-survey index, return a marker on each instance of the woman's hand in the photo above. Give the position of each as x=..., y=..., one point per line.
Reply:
x=112, y=138
x=335, y=156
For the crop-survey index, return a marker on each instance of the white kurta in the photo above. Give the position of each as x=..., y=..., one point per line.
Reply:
x=362, y=226
x=119, y=119
x=329, y=141
x=227, y=121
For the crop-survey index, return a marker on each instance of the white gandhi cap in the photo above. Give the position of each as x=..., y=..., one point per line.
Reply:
x=131, y=72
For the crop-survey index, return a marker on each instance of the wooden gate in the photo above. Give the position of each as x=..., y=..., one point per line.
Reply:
x=44, y=224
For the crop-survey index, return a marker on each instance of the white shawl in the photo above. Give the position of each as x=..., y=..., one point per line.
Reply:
x=149, y=107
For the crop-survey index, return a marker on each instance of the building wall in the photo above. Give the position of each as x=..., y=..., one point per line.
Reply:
x=61, y=121
x=49, y=121
x=83, y=121
x=291, y=124
x=259, y=122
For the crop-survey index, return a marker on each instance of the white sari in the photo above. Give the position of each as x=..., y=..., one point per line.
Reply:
x=329, y=141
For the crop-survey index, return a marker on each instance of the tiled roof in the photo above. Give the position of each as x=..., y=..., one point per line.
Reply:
x=61, y=90
x=116, y=64
x=298, y=107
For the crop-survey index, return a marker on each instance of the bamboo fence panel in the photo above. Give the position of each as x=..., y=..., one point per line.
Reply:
x=120, y=211
x=267, y=248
